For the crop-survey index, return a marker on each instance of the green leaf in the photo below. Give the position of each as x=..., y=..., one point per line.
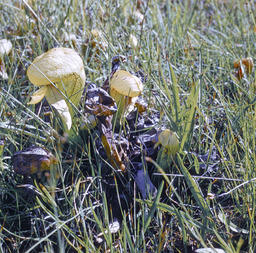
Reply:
x=189, y=114
x=175, y=91
x=197, y=194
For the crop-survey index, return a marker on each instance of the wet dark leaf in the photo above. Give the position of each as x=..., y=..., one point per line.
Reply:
x=99, y=103
x=148, y=140
x=32, y=160
x=144, y=184
x=141, y=105
x=125, y=146
x=112, y=153
x=209, y=161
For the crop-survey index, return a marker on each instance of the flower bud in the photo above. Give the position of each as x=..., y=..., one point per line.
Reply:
x=169, y=141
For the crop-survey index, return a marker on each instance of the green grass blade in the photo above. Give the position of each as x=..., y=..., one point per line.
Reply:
x=175, y=91
x=188, y=115
x=197, y=194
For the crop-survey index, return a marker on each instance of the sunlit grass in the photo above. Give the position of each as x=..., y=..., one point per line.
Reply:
x=187, y=50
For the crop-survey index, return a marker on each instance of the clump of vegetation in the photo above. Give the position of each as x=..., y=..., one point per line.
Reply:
x=102, y=186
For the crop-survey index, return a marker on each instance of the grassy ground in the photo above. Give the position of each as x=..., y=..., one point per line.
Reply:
x=187, y=50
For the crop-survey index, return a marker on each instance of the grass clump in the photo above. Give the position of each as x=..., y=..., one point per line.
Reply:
x=205, y=199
